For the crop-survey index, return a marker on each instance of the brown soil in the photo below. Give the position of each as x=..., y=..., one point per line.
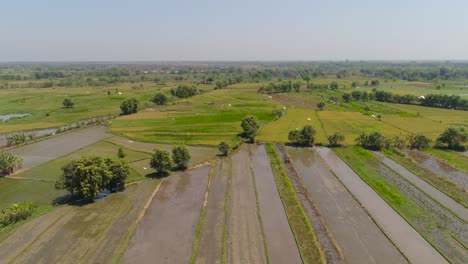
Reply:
x=359, y=237
x=281, y=245
x=167, y=231
x=245, y=240
x=327, y=243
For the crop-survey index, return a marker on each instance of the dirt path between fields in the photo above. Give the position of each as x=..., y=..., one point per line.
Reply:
x=280, y=241
x=439, y=196
x=410, y=242
x=440, y=168
x=360, y=239
x=327, y=243
x=40, y=152
x=245, y=239
x=211, y=241
x=167, y=231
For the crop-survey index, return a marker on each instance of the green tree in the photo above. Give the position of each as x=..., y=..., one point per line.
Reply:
x=336, y=139
x=68, y=103
x=121, y=154
x=159, y=99
x=223, y=148
x=180, y=156
x=453, y=137
x=346, y=97
x=129, y=106
x=418, y=141
x=321, y=105
x=302, y=137
x=161, y=161
x=9, y=163
x=372, y=141
x=89, y=175
x=250, y=126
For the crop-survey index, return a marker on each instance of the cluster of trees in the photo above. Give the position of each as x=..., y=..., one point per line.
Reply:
x=453, y=138
x=129, y=106
x=162, y=161
x=184, y=91
x=445, y=101
x=16, y=212
x=9, y=162
x=282, y=87
x=86, y=177
x=48, y=74
x=302, y=137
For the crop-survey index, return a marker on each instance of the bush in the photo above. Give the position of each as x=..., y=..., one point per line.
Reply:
x=121, y=154
x=336, y=139
x=16, y=212
x=418, y=141
x=180, y=156
x=68, y=103
x=223, y=148
x=161, y=161
x=184, y=91
x=159, y=99
x=89, y=175
x=250, y=125
x=129, y=106
x=321, y=105
x=303, y=137
x=372, y=141
x=9, y=163
x=453, y=138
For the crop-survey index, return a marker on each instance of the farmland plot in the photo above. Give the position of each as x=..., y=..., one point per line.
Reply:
x=359, y=237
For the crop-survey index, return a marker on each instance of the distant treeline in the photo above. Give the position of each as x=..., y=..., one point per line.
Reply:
x=431, y=100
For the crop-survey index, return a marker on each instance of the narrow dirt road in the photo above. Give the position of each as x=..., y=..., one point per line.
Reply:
x=211, y=241
x=281, y=245
x=439, y=196
x=245, y=239
x=35, y=154
x=410, y=242
x=167, y=231
x=359, y=237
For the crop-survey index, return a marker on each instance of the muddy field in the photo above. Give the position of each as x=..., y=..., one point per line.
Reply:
x=360, y=239
x=281, y=246
x=440, y=168
x=434, y=193
x=167, y=231
x=410, y=242
x=88, y=234
x=48, y=149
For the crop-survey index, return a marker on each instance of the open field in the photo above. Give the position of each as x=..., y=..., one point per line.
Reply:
x=167, y=231
x=70, y=234
x=411, y=244
x=360, y=239
x=430, y=219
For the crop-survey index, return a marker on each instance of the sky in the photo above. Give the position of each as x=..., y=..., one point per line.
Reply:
x=238, y=30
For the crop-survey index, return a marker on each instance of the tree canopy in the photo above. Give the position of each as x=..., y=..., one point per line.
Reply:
x=181, y=155
x=68, y=103
x=161, y=161
x=453, y=138
x=250, y=126
x=302, y=137
x=159, y=99
x=129, y=106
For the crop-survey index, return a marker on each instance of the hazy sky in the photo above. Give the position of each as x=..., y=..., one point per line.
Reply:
x=107, y=30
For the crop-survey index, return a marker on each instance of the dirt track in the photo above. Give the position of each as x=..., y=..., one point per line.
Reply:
x=281, y=245
x=439, y=196
x=211, y=241
x=359, y=237
x=45, y=150
x=167, y=231
x=410, y=242
x=245, y=241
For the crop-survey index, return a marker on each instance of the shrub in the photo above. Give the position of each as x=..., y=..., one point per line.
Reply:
x=418, y=141
x=68, y=103
x=453, y=138
x=321, y=105
x=9, y=162
x=129, y=106
x=159, y=99
x=372, y=141
x=184, y=91
x=16, y=212
x=180, y=156
x=121, y=154
x=223, y=148
x=336, y=139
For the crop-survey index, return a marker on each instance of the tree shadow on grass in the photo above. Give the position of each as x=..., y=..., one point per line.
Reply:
x=69, y=199
x=158, y=174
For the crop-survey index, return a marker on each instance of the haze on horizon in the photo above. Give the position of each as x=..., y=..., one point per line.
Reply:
x=204, y=30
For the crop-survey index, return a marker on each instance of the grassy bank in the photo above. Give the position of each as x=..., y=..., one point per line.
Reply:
x=451, y=157
x=443, y=184
x=298, y=220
